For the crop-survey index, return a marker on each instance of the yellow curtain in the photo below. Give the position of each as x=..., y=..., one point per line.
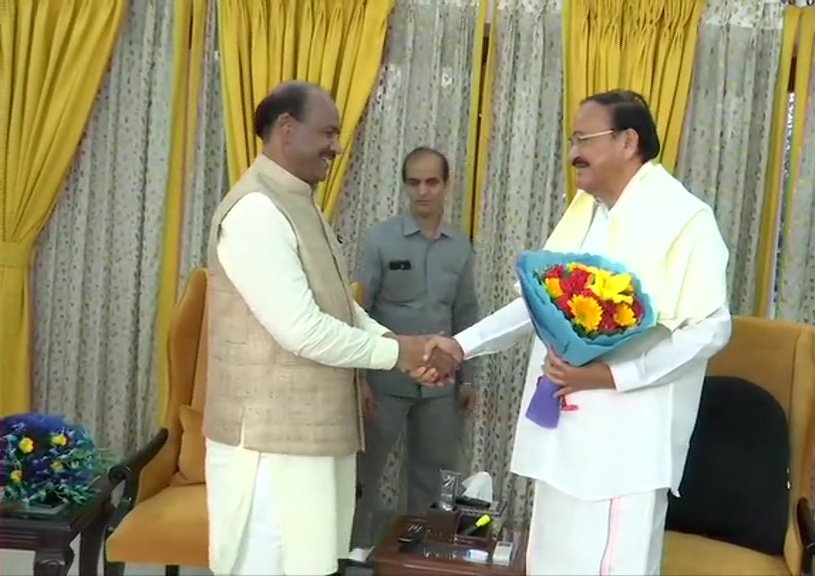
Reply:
x=53, y=54
x=188, y=45
x=480, y=117
x=768, y=238
x=651, y=51
x=803, y=77
x=335, y=43
x=796, y=47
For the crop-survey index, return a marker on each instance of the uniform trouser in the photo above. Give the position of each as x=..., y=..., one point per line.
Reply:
x=620, y=536
x=433, y=434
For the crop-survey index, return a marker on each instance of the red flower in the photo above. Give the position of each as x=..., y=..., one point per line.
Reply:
x=556, y=271
x=636, y=307
x=563, y=304
x=608, y=325
x=576, y=281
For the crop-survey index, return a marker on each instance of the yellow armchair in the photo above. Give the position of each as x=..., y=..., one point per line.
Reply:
x=162, y=517
x=779, y=357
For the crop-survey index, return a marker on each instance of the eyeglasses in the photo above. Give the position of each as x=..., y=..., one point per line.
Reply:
x=578, y=140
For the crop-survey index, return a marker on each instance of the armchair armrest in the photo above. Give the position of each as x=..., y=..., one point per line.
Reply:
x=129, y=472
x=806, y=527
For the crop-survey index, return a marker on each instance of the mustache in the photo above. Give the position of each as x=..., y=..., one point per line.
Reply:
x=579, y=163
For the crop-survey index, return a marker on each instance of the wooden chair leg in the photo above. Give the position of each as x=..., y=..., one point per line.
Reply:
x=114, y=568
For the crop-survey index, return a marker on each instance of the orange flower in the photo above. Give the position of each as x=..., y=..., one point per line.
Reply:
x=624, y=316
x=587, y=312
x=553, y=287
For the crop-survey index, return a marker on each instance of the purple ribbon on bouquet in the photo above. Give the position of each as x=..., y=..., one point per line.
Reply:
x=544, y=408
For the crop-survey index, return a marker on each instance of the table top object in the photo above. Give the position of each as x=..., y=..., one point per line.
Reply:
x=461, y=555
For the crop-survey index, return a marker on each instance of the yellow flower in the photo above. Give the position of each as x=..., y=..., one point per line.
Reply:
x=26, y=445
x=16, y=475
x=587, y=312
x=59, y=440
x=57, y=466
x=624, y=316
x=612, y=287
x=553, y=287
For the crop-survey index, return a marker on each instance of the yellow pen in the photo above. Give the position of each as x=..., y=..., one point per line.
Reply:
x=480, y=523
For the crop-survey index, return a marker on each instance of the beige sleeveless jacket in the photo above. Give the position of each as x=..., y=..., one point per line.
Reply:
x=279, y=402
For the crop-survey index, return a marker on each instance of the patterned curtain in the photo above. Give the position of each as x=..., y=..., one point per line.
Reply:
x=796, y=263
x=725, y=148
x=422, y=99
x=97, y=275
x=523, y=198
x=207, y=178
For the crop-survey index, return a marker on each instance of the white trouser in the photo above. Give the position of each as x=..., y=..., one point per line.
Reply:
x=621, y=536
x=277, y=514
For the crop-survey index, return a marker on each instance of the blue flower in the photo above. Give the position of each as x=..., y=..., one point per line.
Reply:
x=44, y=459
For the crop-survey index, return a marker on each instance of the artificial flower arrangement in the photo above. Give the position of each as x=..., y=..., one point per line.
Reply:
x=582, y=307
x=47, y=462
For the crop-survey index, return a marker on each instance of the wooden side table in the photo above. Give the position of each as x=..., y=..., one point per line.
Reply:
x=50, y=537
x=390, y=559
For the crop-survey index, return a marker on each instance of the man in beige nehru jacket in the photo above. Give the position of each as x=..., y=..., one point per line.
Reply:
x=282, y=417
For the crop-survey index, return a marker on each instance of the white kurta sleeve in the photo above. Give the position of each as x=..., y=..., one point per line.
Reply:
x=258, y=251
x=497, y=332
x=367, y=323
x=662, y=362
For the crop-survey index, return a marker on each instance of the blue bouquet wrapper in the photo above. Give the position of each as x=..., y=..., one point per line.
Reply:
x=556, y=331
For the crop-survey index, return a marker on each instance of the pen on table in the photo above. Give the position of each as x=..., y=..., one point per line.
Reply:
x=480, y=523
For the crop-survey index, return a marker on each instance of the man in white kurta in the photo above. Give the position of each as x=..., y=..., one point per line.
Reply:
x=603, y=474
x=282, y=411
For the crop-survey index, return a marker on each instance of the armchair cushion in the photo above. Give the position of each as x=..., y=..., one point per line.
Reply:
x=171, y=528
x=191, y=455
x=735, y=487
x=692, y=555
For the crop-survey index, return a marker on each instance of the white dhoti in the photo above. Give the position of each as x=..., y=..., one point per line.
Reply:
x=278, y=514
x=620, y=536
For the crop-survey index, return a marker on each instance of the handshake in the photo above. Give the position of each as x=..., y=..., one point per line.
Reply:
x=432, y=360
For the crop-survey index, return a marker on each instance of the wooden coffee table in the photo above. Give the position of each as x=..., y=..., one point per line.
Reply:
x=50, y=537
x=390, y=559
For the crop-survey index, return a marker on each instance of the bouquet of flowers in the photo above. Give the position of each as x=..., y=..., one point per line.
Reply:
x=46, y=461
x=582, y=307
